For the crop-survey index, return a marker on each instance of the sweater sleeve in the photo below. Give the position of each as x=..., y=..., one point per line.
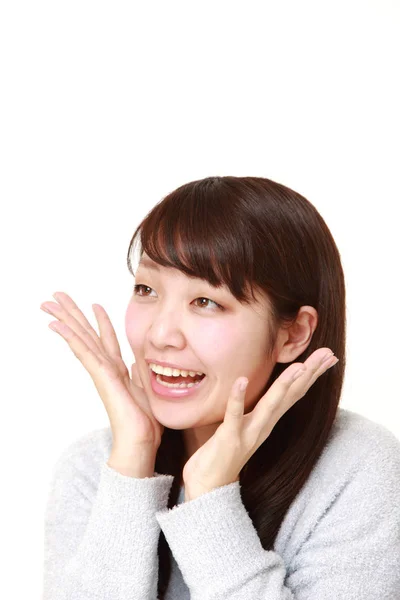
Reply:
x=100, y=532
x=353, y=551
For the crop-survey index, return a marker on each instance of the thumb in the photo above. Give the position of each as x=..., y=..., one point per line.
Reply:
x=135, y=376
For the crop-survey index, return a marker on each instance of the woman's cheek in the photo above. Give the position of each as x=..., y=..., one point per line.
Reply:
x=134, y=327
x=215, y=339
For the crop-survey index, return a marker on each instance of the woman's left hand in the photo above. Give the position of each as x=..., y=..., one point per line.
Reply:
x=219, y=461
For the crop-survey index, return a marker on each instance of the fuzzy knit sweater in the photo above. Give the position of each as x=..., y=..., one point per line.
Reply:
x=339, y=540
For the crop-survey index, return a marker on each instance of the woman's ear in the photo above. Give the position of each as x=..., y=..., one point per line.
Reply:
x=294, y=340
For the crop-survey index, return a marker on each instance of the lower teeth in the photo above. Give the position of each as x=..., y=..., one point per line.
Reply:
x=177, y=385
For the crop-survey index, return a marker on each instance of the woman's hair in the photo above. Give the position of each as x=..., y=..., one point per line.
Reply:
x=253, y=233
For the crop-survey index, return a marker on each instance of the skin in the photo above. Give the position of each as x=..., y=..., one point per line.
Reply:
x=173, y=322
x=216, y=450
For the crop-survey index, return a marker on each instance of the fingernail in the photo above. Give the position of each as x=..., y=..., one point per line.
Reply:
x=243, y=385
x=59, y=327
x=327, y=357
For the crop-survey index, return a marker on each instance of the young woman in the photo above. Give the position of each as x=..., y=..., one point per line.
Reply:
x=199, y=489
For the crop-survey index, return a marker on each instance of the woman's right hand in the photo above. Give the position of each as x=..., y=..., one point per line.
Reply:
x=133, y=424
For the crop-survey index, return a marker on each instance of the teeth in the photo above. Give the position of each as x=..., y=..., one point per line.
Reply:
x=177, y=385
x=173, y=372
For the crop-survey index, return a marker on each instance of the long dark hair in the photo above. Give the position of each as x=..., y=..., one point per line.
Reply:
x=253, y=233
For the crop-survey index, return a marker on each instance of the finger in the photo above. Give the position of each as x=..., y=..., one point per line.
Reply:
x=72, y=314
x=235, y=405
x=109, y=338
x=319, y=362
x=135, y=376
x=272, y=401
x=107, y=344
x=90, y=360
x=295, y=379
x=325, y=366
x=103, y=372
x=73, y=325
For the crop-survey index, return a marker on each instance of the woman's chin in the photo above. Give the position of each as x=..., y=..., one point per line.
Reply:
x=175, y=418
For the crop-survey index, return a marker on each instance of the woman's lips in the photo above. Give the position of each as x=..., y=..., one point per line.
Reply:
x=175, y=393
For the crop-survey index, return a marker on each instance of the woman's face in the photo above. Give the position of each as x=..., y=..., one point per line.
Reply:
x=173, y=322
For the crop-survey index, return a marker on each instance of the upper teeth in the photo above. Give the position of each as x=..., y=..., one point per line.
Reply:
x=172, y=372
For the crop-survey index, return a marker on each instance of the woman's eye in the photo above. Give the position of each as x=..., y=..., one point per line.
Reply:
x=208, y=300
x=141, y=285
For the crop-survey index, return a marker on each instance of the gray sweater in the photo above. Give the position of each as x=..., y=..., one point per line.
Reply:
x=339, y=540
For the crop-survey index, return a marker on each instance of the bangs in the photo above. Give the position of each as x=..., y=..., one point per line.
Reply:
x=193, y=232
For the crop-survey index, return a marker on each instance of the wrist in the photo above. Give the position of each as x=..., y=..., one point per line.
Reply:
x=137, y=465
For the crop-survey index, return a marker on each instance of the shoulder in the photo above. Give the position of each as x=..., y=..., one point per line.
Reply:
x=76, y=474
x=87, y=452
x=357, y=442
x=341, y=537
x=355, y=481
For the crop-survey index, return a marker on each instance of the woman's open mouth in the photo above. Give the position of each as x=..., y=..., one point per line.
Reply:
x=180, y=388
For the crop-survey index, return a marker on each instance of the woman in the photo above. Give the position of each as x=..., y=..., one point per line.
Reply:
x=207, y=491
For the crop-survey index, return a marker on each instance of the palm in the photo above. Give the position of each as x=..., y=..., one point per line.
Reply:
x=200, y=465
x=220, y=460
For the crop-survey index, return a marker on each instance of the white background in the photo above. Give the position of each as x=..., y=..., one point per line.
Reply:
x=108, y=106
